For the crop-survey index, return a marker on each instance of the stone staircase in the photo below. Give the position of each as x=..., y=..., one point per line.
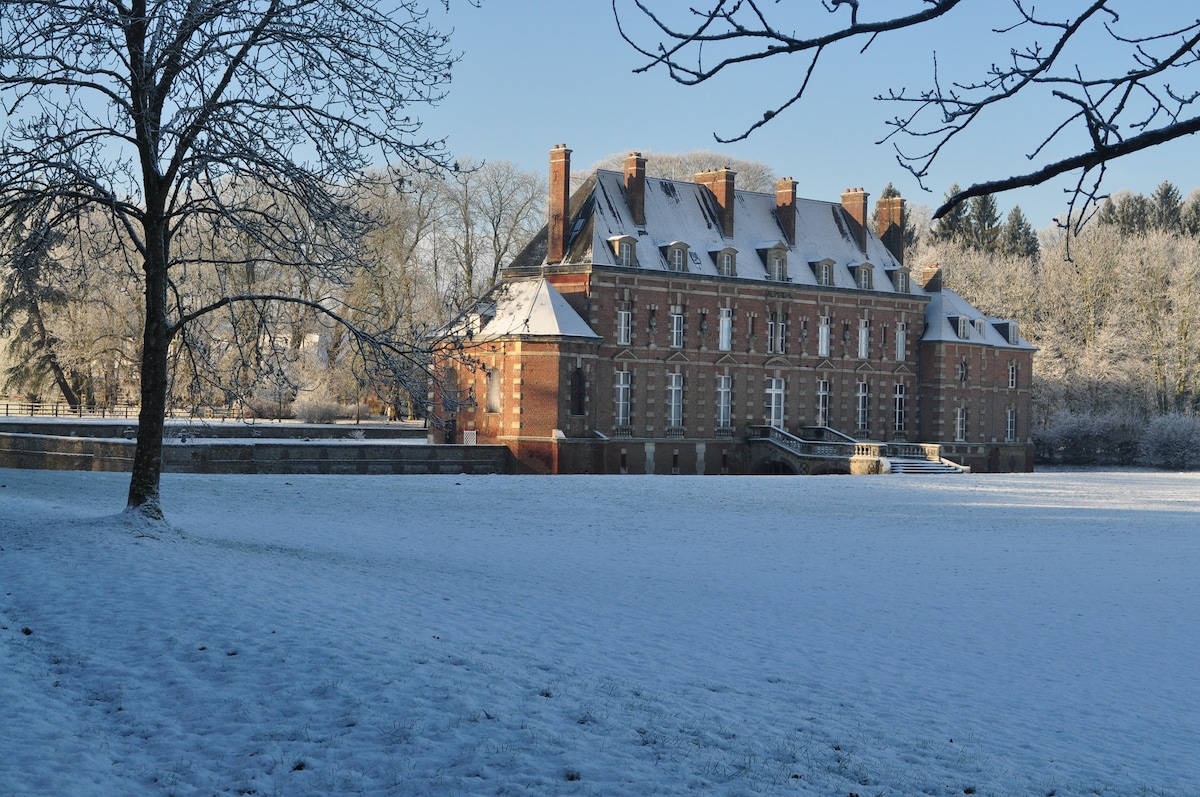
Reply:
x=920, y=466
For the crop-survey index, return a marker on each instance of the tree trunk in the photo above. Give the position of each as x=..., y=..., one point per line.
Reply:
x=156, y=341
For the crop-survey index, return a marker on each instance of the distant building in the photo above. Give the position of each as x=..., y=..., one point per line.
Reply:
x=665, y=326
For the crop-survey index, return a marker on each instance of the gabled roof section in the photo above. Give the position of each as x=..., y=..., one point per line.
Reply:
x=531, y=308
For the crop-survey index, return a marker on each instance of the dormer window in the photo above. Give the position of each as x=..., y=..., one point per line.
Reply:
x=980, y=325
x=900, y=280
x=1009, y=330
x=823, y=271
x=778, y=269
x=676, y=254
x=863, y=276
x=964, y=327
x=624, y=250
x=726, y=260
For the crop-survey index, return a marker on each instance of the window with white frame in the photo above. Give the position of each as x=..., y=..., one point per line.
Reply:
x=960, y=424
x=725, y=329
x=676, y=327
x=823, y=337
x=963, y=371
x=1010, y=425
x=964, y=328
x=674, y=400
x=980, y=327
x=1012, y=374
x=822, y=402
x=901, y=282
x=776, y=333
x=777, y=269
x=864, y=338
x=725, y=264
x=862, y=414
x=901, y=341
x=624, y=326
x=677, y=258
x=775, y=396
x=724, y=400
x=899, y=409
x=625, y=253
x=864, y=278
x=824, y=273
x=624, y=385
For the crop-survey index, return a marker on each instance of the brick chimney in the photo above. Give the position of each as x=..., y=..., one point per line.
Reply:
x=720, y=184
x=854, y=202
x=931, y=278
x=635, y=187
x=889, y=225
x=560, y=195
x=785, y=207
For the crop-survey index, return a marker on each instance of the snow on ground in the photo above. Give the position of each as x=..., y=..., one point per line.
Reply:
x=426, y=635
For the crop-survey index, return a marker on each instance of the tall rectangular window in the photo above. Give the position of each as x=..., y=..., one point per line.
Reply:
x=864, y=338
x=778, y=268
x=626, y=254
x=862, y=414
x=677, y=259
x=676, y=329
x=726, y=261
x=1010, y=426
x=724, y=400
x=823, y=337
x=776, y=333
x=901, y=341
x=899, y=419
x=775, y=395
x=624, y=384
x=624, y=327
x=960, y=424
x=675, y=400
x=823, y=402
x=1012, y=374
x=725, y=331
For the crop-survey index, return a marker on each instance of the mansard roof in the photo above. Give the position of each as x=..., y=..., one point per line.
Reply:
x=944, y=310
x=529, y=308
x=686, y=212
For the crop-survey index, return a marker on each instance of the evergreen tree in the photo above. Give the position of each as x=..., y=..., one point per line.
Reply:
x=952, y=227
x=1017, y=236
x=983, y=223
x=1166, y=208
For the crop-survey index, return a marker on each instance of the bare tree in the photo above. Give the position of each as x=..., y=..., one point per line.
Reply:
x=1136, y=96
x=751, y=175
x=190, y=121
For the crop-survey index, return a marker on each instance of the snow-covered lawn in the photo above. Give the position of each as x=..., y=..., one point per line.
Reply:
x=990, y=635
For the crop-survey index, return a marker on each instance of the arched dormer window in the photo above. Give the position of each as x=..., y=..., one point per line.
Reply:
x=823, y=271
x=775, y=259
x=624, y=250
x=901, y=280
x=864, y=277
x=726, y=261
x=676, y=254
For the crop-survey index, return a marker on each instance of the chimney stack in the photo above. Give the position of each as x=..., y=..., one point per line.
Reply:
x=560, y=196
x=854, y=202
x=635, y=187
x=889, y=225
x=721, y=184
x=931, y=278
x=785, y=207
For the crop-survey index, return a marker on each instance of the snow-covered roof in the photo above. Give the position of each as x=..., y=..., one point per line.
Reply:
x=686, y=212
x=530, y=307
x=942, y=319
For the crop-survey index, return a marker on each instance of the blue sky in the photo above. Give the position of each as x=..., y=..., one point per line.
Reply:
x=540, y=72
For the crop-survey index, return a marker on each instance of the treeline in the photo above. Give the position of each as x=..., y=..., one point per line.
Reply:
x=1114, y=312
x=71, y=313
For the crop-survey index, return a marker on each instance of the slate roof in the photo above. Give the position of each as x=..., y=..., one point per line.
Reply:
x=941, y=319
x=530, y=307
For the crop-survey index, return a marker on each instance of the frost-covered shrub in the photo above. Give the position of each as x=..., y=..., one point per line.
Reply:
x=1085, y=439
x=1171, y=442
x=313, y=410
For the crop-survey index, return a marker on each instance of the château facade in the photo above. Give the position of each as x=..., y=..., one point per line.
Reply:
x=668, y=326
